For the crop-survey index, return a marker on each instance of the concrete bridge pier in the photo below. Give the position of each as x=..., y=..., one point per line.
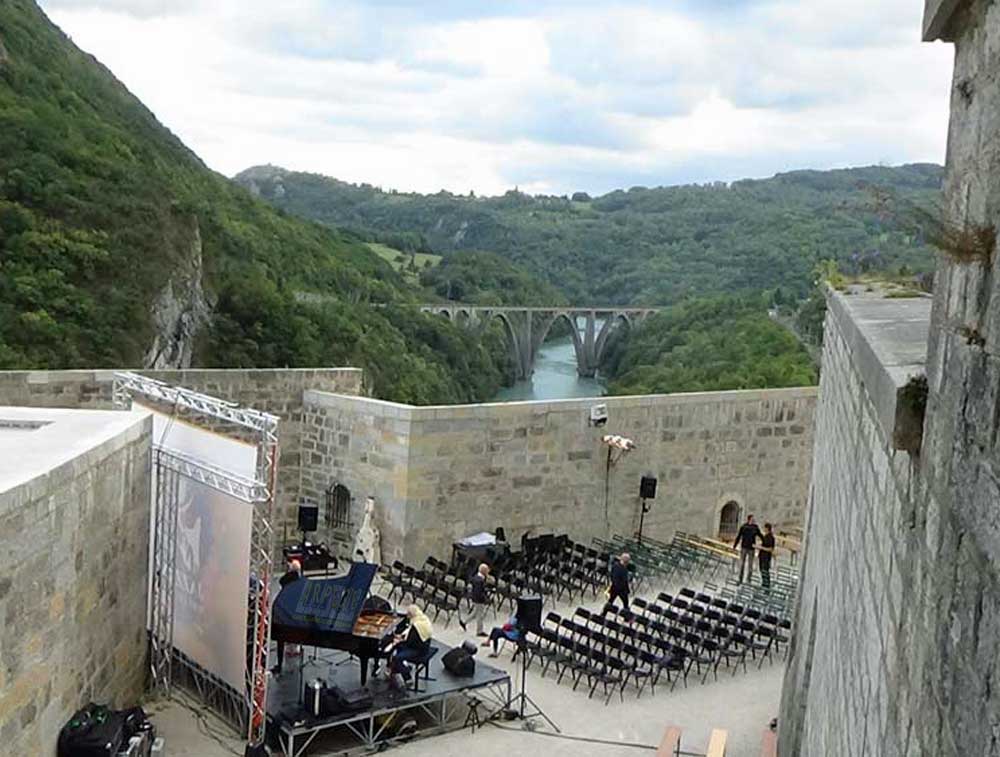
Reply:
x=527, y=328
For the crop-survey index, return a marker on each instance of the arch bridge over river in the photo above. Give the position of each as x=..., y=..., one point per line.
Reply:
x=527, y=328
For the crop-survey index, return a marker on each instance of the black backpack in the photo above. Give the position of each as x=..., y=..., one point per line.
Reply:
x=460, y=663
x=93, y=731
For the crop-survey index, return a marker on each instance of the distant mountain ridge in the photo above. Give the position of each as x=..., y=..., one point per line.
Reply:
x=118, y=247
x=651, y=246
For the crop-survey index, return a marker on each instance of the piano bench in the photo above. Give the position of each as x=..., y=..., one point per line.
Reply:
x=424, y=664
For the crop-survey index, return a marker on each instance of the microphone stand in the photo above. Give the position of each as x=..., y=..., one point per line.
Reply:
x=520, y=703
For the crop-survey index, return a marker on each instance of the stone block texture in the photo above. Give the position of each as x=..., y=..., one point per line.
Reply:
x=73, y=582
x=440, y=473
x=277, y=391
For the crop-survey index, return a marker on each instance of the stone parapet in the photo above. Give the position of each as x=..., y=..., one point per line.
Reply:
x=73, y=569
x=886, y=340
x=440, y=473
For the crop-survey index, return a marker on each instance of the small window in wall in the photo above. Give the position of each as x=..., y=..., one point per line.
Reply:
x=729, y=520
x=338, y=507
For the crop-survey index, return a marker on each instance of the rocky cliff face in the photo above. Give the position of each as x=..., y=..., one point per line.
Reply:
x=181, y=309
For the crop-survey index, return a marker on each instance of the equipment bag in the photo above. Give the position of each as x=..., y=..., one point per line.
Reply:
x=460, y=663
x=93, y=731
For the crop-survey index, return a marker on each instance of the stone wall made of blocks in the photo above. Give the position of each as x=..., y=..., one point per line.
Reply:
x=73, y=582
x=446, y=472
x=275, y=391
x=898, y=631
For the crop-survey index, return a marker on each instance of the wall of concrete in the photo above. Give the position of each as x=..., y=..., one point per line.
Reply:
x=277, y=391
x=912, y=544
x=73, y=577
x=440, y=473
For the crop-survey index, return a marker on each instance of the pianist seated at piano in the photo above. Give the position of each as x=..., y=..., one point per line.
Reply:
x=413, y=644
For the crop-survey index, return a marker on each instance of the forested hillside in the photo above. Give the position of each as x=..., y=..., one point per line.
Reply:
x=709, y=344
x=647, y=246
x=101, y=208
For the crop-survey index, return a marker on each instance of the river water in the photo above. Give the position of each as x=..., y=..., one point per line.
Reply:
x=555, y=377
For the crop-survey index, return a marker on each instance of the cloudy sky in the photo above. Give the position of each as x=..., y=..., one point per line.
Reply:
x=548, y=95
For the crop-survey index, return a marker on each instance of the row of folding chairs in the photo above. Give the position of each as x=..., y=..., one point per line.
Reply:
x=427, y=588
x=708, y=639
x=565, y=570
x=578, y=653
x=694, y=611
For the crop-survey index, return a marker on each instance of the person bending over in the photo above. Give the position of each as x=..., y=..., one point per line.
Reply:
x=413, y=646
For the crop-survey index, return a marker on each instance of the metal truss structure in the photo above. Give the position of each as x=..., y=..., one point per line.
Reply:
x=171, y=466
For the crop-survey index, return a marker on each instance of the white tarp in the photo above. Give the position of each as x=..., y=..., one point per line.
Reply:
x=213, y=551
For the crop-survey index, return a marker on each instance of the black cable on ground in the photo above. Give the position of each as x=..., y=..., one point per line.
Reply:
x=212, y=730
x=586, y=739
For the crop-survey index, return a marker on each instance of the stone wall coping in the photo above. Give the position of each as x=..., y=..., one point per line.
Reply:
x=102, y=376
x=71, y=442
x=384, y=409
x=888, y=341
x=937, y=18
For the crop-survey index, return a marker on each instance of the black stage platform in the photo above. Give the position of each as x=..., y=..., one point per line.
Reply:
x=436, y=708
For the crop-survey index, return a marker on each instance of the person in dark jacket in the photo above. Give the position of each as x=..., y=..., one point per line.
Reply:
x=293, y=573
x=765, y=555
x=619, y=582
x=746, y=539
x=480, y=597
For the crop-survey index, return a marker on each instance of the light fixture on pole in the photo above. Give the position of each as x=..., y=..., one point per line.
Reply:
x=618, y=446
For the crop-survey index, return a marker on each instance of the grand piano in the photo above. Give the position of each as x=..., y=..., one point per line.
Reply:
x=331, y=613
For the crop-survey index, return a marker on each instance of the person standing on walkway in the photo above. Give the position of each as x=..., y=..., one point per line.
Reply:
x=746, y=539
x=480, y=597
x=765, y=555
x=619, y=582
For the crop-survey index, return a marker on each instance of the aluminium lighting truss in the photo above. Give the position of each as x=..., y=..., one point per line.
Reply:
x=260, y=492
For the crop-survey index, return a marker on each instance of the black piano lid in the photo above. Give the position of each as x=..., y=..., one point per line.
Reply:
x=324, y=604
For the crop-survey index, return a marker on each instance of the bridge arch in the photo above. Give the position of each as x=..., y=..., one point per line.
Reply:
x=513, y=343
x=618, y=320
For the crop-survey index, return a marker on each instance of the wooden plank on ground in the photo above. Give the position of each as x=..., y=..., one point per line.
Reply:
x=769, y=744
x=716, y=744
x=671, y=742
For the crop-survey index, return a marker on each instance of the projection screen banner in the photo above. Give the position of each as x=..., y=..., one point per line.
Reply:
x=213, y=551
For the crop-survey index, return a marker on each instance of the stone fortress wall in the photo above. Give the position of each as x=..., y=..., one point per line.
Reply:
x=73, y=574
x=277, y=391
x=440, y=473
x=897, y=649
x=845, y=688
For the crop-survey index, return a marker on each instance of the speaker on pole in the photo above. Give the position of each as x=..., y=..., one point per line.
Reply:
x=308, y=517
x=647, y=487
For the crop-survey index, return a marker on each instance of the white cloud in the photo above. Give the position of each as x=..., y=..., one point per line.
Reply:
x=555, y=96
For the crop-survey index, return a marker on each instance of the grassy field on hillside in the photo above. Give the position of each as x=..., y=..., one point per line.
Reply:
x=402, y=264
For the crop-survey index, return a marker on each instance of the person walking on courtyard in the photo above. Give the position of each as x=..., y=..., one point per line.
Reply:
x=746, y=539
x=480, y=600
x=619, y=582
x=765, y=555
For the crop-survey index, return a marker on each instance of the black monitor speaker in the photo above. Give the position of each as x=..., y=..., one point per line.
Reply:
x=647, y=487
x=529, y=613
x=308, y=517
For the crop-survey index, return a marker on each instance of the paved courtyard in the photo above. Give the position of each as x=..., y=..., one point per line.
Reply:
x=741, y=704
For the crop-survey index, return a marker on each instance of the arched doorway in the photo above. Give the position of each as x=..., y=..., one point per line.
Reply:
x=338, y=507
x=729, y=520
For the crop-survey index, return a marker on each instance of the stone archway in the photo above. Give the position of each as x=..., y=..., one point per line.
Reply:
x=729, y=520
